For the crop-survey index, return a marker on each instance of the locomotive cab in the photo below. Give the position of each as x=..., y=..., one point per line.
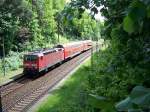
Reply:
x=31, y=63
x=38, y=61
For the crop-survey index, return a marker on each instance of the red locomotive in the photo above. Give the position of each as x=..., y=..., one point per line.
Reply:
x=38, y=61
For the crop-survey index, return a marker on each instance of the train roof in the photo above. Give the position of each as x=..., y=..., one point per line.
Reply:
x=72, y=44
x=69, y=44
x=42, y=51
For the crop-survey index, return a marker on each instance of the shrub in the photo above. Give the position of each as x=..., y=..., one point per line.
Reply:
x=13, y=61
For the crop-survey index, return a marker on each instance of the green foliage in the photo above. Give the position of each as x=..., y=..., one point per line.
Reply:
x=134, y=20
x=140, y=96
x=126, y=61
x=125, y=105
x=102, y=103
x=32, y=23
x=81, y=26
x=129, y=25
x=14, y=61
x=12, y=22
x=138, y=100
x=29, y=21
x=28, y=25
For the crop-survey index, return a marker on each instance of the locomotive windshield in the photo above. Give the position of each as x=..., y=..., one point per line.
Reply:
x=30, y=58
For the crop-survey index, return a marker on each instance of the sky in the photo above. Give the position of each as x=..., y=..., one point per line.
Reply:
x=99, y=17
x=68, y=1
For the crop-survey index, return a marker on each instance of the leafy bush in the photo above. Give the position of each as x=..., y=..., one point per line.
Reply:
x=137, y=101
x=13, y=61
x=126, y=62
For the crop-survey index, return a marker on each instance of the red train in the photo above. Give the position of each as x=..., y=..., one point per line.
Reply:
x=38, y=61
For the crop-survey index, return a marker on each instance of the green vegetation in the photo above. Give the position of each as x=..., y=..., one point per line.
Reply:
x=10, y=75
x=125, y=64
x=118, y=72
x=28, y=25
x=72, y=96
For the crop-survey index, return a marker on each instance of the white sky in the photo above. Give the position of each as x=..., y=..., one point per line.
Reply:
x=99, y=17
x=68, y=1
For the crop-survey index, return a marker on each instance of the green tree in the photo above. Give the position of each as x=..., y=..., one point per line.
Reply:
x=127, y=26
x=12, y=22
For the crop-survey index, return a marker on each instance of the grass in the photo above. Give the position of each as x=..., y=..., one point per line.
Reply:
x=13, y=66
x=9, y=75
x=72, y=96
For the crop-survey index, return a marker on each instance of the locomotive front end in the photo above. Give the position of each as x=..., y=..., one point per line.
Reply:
x=31, y=64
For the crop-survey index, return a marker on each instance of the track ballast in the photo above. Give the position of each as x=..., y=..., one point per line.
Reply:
x=21, y=94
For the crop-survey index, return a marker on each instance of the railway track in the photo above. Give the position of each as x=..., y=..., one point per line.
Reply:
x=21, y=94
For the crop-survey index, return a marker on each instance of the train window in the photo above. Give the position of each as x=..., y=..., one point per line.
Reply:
x=53, y=51
x=26, y=58
x=59, y=49
x=30, y=58
x=33, y=58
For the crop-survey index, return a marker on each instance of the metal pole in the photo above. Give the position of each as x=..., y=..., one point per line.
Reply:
x=4, y=71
